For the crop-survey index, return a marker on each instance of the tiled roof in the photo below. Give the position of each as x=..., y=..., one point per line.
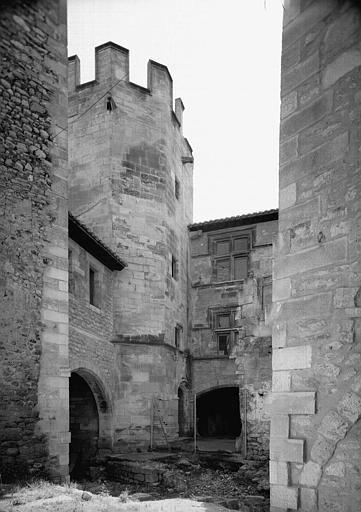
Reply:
x=239, y=220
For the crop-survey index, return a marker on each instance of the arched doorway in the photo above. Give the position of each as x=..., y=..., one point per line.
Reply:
x=89, y=420
x=218, y=413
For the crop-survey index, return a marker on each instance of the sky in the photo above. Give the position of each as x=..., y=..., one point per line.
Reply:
x=224, y=58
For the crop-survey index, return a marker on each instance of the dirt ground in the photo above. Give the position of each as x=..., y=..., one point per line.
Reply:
x=200, y=483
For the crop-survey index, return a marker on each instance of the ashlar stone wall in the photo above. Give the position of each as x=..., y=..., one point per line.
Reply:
x=131, y=183
x=315, y=443
x=33, y=230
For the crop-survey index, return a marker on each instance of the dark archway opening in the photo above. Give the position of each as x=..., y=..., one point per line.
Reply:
x=218, y=413
x=84, y=425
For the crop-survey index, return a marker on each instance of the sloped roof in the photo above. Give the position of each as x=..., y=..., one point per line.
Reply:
x=83, y=236
x=239, y=220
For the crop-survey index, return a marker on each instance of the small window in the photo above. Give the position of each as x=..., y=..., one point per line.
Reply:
x=223, y=343
x=177, y=188
x=110, y=104
x=177, y=336
x=174, y=268
x=94, y=298
x=70, y=272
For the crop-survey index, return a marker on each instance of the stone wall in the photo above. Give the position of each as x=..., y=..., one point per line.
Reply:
x=33, y=225
x=315, y=451
x=131, y=183
x=248, y=362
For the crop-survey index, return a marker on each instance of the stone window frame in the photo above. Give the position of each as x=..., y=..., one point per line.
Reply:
x=229, y=236
x=217, y=330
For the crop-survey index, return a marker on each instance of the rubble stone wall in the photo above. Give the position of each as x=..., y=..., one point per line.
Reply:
x=248, y=363
x=316, y=406
x=33, y=224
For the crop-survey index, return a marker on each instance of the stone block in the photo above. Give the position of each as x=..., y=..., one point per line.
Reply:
x=300, y=213
x=291, y=9
x=350, y=407
x=289, y=104
x=278, y=472
x=292, y=358
x=342, y=65
x=345, y=297
x=281, y=381
x=337, y=469
x=288, y=196
x=308, y=498
x=341, y=33
x=281, y=289
x=280, y=426
x=310, y=474
x=333, y=426
x=329, y=152
x=297, y=75
x=307, y=116
x=299, y=402
x=310, y=259
x=287, y=450
x=303, y=22
x=279, y=332
x=284, y=497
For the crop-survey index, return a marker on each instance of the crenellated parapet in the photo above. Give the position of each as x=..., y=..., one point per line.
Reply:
x=112, y=66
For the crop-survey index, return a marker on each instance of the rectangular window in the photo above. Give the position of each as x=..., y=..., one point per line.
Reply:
x=223, y=343
x=230, y=256
x=176, y=188
x=94, y=287
x=70, y=272
x=174, y=268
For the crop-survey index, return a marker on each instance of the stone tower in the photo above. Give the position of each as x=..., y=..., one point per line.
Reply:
x=131, y=183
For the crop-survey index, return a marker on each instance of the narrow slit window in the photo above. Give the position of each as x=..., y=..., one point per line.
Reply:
x=174, y=268
x=177, y=188
x=177, y=336
x=92, y=286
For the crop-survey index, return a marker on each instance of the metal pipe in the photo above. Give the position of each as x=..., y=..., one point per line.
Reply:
x=245, y=422
x=195, y=422
x=151, y=422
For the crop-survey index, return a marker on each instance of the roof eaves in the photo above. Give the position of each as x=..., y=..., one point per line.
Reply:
x=82, y=235
x=239, y=220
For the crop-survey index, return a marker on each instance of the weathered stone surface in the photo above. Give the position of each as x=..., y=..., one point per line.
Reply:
x=278, y=473
x=333, y=426
x=284, y=497
x=288, y=450
x=342, y=65
x=293, y=403
x=290, y=358
x=320, y=198
x=311, y=474
x=33, y=108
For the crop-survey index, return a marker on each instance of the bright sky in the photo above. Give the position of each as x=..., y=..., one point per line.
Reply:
x=224, y=57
